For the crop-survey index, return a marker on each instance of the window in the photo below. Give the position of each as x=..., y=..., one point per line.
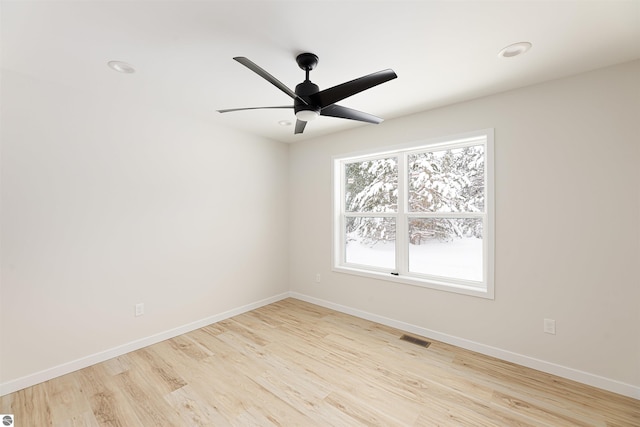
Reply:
x=419, y=214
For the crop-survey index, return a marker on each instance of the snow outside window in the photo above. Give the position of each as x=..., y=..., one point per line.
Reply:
x=419, y=214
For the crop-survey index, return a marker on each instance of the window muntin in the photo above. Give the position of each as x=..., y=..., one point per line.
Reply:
x=419, y=214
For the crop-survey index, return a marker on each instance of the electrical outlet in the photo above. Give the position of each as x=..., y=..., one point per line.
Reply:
x=549, y=326
x=317, y=277
x=139, y=309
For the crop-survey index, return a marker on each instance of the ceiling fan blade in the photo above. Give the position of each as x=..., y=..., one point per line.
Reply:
x=300, y=126
x=268, y=77
x=349, y=113
x=228, y=110
x=337, y=93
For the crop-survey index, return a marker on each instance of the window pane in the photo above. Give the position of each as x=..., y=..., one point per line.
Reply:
x=371, y=241
x=447, y=180
x=448, y=247
x=372, y=186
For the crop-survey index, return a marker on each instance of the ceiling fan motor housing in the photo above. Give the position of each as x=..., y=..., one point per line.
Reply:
x=304, y=90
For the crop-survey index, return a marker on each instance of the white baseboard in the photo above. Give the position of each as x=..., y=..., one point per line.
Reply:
x=65, y=368
x=530, y=362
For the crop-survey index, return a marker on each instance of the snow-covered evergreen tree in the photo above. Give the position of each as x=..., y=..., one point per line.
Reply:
x=372, y=186
x=448, y=181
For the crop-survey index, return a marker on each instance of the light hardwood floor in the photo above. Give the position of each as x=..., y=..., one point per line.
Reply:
x=296, y=364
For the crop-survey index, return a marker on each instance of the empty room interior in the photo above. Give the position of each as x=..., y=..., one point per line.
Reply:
x=349, y=213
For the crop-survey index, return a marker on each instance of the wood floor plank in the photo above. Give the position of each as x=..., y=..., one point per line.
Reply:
x=110, y=407
x=145, y=399
x=193, y=410
x=292, y=363
x=360, y=411
x=66, y=399
x=84, y=419
x=31, y=404
x=117, y=365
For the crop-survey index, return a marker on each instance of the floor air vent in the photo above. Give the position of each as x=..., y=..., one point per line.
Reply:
x=416, y=341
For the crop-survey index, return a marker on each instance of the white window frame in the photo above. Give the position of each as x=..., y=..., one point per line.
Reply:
x=401, y=275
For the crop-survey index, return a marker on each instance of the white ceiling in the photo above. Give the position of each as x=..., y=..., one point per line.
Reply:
x=443, y=51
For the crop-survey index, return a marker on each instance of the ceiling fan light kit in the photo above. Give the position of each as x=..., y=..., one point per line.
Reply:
x=307, y=115
x=309, y=101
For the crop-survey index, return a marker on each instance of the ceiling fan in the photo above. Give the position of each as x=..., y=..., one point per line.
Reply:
x=310, y=102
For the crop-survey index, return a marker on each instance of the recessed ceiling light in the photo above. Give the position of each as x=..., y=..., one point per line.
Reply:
x=285, y=123
x=121, y=67
x=514, y=50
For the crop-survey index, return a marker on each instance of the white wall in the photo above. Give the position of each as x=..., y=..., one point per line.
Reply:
x=567, y=157
x=107, y=202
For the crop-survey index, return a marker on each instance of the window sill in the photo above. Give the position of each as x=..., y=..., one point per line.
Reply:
x=424, y=283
